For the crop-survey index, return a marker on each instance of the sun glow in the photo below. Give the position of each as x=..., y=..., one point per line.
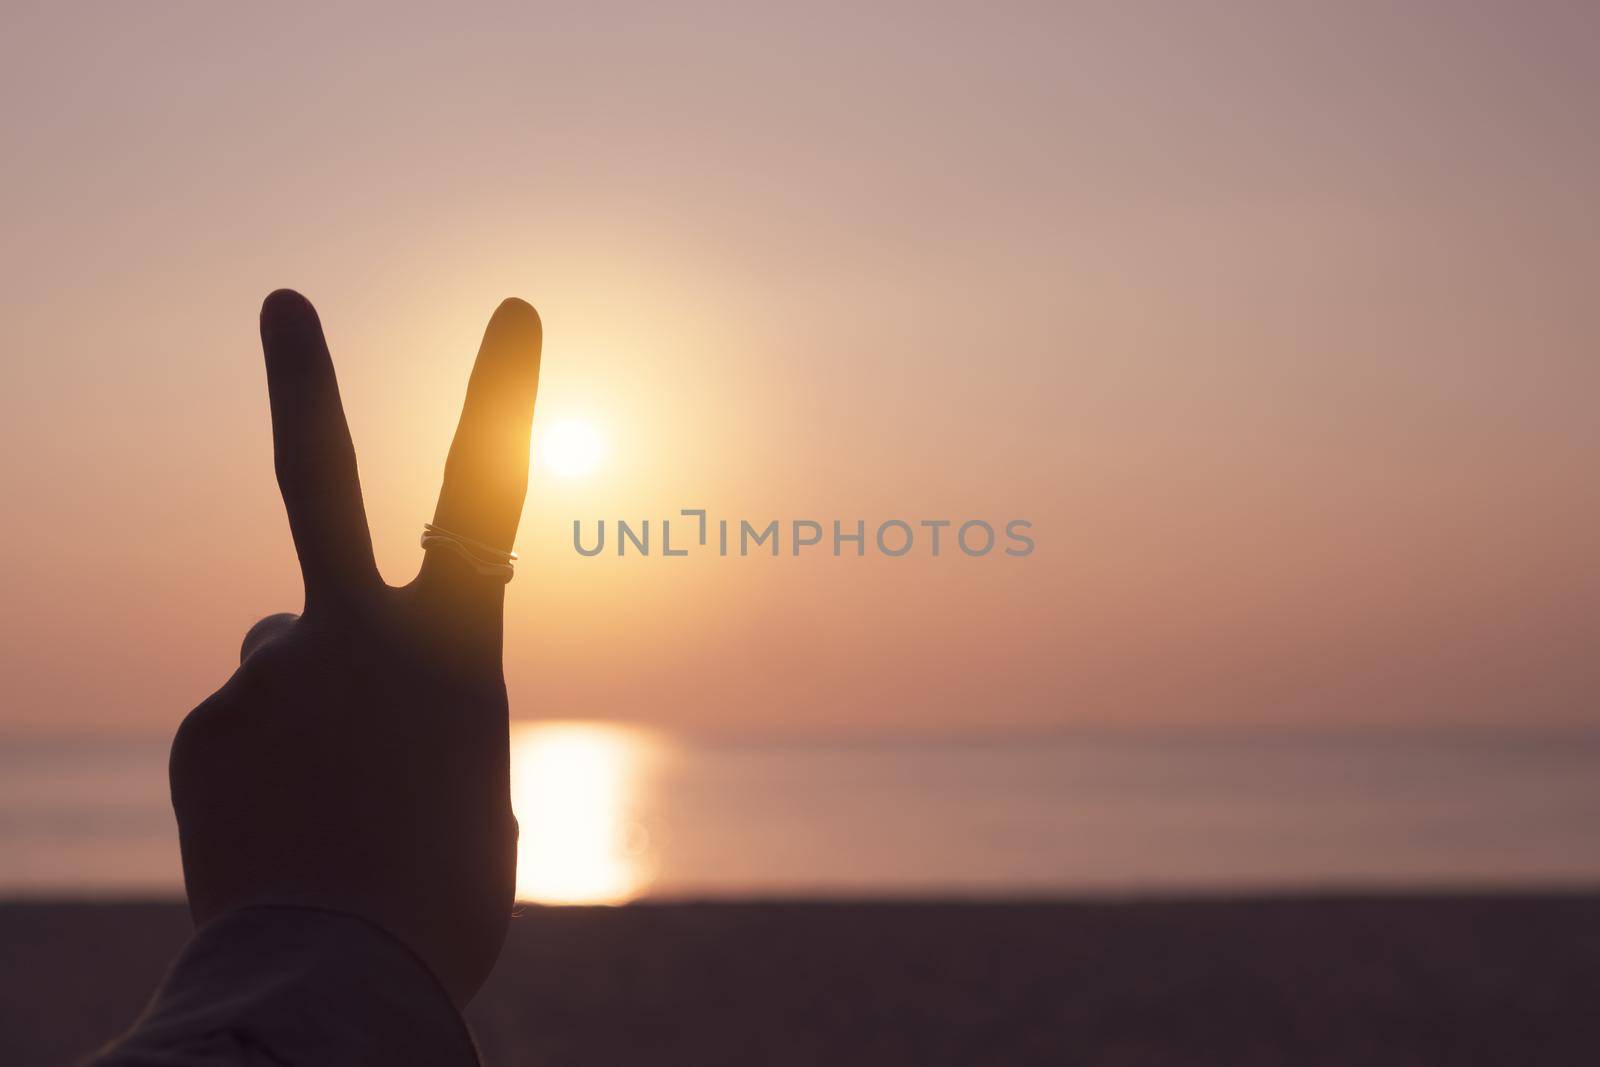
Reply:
x=571, y=448
x=575, y=788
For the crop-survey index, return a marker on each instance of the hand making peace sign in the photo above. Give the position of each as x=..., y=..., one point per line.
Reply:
x=358, y=759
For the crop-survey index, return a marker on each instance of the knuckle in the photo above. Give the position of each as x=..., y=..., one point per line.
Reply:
x=264, y=631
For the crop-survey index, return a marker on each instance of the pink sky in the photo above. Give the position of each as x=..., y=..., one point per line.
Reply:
x=1280, y=327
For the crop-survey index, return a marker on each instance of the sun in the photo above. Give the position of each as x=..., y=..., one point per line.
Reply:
x=572, y=448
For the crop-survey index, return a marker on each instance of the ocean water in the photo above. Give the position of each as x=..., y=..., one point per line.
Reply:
x=611, y=814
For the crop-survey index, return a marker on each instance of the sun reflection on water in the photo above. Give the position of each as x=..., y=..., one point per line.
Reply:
x=577, y=789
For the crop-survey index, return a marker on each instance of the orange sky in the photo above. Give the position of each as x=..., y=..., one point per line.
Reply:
x=1279, y=327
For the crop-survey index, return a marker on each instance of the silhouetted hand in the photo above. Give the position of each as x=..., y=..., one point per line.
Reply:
x=358, y=758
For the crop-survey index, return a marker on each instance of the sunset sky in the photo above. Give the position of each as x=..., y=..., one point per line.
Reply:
x=1280, y=327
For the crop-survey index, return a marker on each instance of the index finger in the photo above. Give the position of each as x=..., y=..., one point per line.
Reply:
x=486, y=474
x=315, y=460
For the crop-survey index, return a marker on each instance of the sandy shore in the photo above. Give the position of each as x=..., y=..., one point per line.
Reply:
x=1464, y=980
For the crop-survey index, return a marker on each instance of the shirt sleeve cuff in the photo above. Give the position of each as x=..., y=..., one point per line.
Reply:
x=298, y=986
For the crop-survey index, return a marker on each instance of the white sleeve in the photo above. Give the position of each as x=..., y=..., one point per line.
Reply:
x=295, y=987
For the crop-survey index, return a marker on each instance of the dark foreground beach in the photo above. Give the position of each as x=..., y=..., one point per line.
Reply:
x=1366, y=981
